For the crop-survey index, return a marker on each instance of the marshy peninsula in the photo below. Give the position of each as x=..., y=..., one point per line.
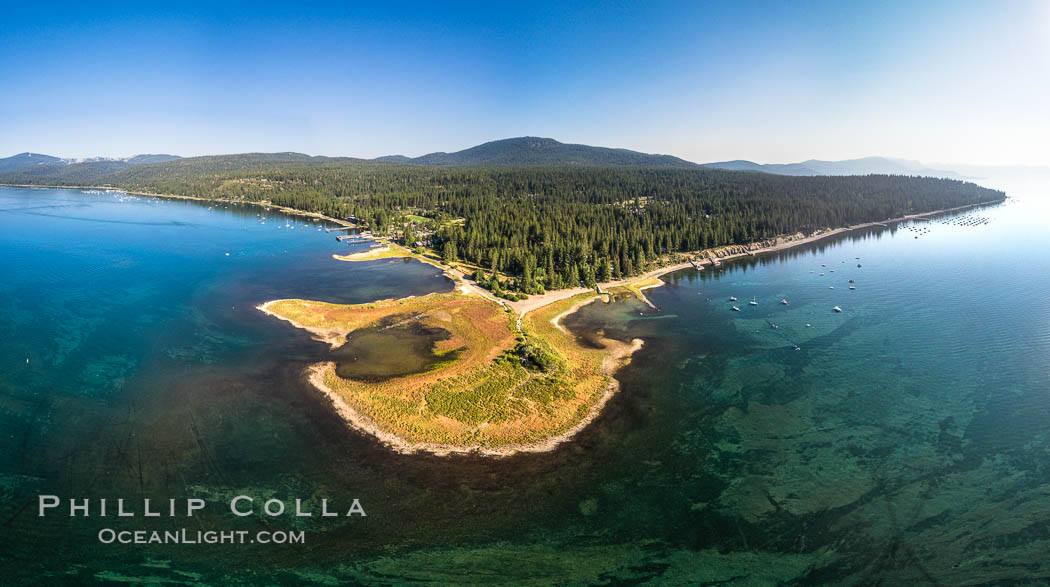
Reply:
x=459, y=372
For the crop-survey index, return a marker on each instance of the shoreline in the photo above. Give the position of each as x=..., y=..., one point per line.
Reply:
x=285, y=209
x=538, y=301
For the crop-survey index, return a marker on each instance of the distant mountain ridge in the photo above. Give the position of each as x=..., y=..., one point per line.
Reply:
x=541, y=151
x=32, y=167
x=519, y=151
x=23, y=160
x=862, y=166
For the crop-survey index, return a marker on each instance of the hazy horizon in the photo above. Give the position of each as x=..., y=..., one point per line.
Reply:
x=943, y=165
x=941, y=83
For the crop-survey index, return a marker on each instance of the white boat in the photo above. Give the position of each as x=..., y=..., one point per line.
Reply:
x=831, y=287
x=837, y=309
x=753, y=302
x=732, y=299
x=736, y=309
x=853, y=287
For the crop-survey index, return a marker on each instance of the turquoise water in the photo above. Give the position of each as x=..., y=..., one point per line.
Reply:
x=903, y=440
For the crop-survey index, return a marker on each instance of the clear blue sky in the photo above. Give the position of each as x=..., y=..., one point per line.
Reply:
x=772, y=82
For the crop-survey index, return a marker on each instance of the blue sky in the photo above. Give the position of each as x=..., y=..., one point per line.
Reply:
x=955, y=81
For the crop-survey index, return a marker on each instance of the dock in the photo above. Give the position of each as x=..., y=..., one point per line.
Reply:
x=340, y=228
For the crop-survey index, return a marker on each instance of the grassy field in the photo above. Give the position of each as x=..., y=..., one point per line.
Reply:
x=485, y=398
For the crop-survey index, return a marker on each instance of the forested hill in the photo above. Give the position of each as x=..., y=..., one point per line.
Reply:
x=541, y=151
x=543, y=227
x=25, y=160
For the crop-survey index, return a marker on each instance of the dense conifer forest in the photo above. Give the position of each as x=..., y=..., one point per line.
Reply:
x=546, y=227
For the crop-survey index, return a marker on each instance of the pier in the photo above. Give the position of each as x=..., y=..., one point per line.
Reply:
x=340, y=228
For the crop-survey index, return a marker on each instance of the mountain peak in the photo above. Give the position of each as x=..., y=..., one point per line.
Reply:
x=541, y=151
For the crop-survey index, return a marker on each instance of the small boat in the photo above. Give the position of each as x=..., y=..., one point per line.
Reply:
x=853, y=287
x=783, y=301
x=736, y=309
x=858, y=264
x=851, y=281
x=732, y=299
x=831, y=287
x=837, y=309
x=753, y=301
x=822, y=275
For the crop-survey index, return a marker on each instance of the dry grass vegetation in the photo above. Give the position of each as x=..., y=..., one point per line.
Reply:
x=391, y=251
x=483, y=399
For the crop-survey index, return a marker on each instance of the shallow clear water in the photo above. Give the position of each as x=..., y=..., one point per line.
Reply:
x=905, y=438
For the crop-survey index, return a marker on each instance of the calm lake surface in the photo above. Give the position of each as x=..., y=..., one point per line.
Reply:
x=904, y=439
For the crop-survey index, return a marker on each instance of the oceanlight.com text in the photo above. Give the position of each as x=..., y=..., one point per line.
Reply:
x=184, y=536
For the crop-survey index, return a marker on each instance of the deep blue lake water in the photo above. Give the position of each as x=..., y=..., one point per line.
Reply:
x=903, y=439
